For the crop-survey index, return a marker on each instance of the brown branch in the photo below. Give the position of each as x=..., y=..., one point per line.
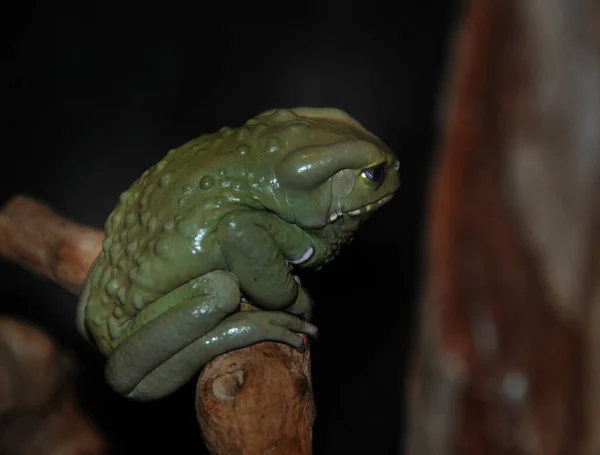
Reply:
x=251, y=401
x=34, y=237
x=257, y=400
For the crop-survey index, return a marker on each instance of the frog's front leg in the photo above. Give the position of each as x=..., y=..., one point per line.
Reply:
x=176, y=335
x=258, y=248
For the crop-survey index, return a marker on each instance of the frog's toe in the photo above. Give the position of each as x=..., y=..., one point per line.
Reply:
x=295, y=324
x=283, y=335
x=286, y=328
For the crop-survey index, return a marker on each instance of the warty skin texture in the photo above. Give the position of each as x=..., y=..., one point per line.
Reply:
x=225, y=216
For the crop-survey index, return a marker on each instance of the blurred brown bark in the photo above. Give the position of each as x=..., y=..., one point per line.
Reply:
x=507, y=358
x=251, y=401
x=38, y=406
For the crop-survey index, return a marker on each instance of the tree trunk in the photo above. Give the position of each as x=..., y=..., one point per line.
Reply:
x=508, y=357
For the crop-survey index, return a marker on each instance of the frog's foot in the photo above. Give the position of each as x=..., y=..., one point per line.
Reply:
x=167, y=326
x=167, y=351
x=239, y=330
x=302, y=307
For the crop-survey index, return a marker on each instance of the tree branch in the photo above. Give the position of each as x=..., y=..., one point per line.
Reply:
x=36, y=238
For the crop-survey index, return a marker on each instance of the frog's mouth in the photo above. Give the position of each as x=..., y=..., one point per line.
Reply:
x=360, y=210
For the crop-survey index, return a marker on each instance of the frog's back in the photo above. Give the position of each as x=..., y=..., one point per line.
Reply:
x=160, y=234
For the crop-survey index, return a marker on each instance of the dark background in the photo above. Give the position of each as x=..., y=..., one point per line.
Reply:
x=94, y=92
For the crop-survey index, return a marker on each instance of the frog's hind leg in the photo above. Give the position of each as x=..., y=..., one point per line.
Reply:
x=164, y=328
x=236, y=331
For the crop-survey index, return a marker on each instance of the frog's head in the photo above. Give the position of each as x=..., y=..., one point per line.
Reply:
x=333, y=187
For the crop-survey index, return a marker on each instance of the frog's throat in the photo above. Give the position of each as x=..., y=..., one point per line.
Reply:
x=361, y=210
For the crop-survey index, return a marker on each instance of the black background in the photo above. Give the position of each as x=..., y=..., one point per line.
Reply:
x=95, y=92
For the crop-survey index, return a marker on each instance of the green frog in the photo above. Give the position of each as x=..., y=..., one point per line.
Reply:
x=226, y=217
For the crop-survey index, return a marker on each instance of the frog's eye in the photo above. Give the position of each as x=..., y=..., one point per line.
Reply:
x=397, y=165
x=374, y=174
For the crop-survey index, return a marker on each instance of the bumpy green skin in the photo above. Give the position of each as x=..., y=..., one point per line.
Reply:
x=226, y=216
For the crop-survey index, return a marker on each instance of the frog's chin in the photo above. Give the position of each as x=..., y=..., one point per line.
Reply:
x=360, y=211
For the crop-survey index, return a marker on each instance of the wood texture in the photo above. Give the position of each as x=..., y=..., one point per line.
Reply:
x=508, y=360
x=256, y=401
x=251, y=401
x=36, y=238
